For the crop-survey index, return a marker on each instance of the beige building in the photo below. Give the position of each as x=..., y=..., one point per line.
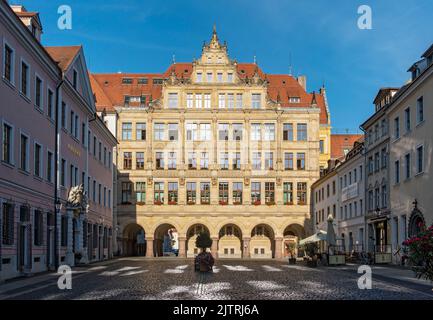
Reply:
x=214, y=145
x=410, y=116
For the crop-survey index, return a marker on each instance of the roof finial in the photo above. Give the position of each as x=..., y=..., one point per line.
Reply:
x=174, y=59
x=255, y=60
x=214, y=29
x=290, y=64
x=214, y=42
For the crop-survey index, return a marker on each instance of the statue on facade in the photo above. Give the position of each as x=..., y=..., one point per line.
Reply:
x=77, y=198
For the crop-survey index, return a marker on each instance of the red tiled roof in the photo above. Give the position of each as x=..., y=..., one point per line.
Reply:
x=63, y=55
x=110, y=91
x=341, y=142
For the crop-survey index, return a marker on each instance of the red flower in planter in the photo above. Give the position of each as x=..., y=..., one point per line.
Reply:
x=223, y=203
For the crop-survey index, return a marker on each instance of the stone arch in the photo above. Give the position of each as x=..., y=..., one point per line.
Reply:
x=291, y=236
x=245, y=230
x=165, y=240
x=230, y=244
x=191, y=235
x=416, y=223
x=262, y=243
x=134, y=240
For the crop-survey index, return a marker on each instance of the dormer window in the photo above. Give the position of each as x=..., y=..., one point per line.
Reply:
x=230, y=77
x=157, y=81
x=199, y=77
x=126, y=81
x=295, y=100
x=142, y=81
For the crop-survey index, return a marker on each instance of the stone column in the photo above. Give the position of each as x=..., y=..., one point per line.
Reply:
x=278, y=247
x=214, y=248
x=69, y=260
x=149, y=247
x=182, y=247
x=246, y=248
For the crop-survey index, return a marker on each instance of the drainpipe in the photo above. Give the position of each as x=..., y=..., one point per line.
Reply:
x=56, y=175
x=365, y=193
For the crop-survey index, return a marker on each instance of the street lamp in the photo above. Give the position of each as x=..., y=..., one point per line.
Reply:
x=58, y=206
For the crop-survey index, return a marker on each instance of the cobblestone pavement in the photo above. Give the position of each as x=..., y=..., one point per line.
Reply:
x=170, y=279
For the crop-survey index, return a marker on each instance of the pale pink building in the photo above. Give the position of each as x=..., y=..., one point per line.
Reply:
x=37, y=85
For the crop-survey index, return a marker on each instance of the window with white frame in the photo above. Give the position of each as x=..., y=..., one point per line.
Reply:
x=209, y=77
x=219, y=77
x=221, y=100
x=204, y=160
x=198, y=100
x=230, y=77
x=257, y=161
x=189, y=100
x=237, y=131
x=238, y=100
x=173, y=131
x=158, y=131
x=223, y=131
x=199, y=77
x=230, y=100
x=207, y=101
x=269, y=132
x=256, y=100
x=255, y=132
x=205, y=131
x=172, y=100
x=191, y=131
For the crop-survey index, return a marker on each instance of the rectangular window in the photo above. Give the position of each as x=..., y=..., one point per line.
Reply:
x=269, y=132
x=94, y=191
x=407, y=119
x=269, y=161
x=300, y=161
x=8, y=69
x=7, y=154
x=24, y=152
x=396, y=128
x=158, y=193
x=94, y=146
x=50, y=163
x=127, y=131
x=397, y=171
x=191, y=131
x=172, y=193
x=139, y=160
x=63, y=120
x=288, y=132
x=209, y=77
x=207, y=101
x=204, y=161
x=236, y=161
x=223, y=192
x=384, y=196
x=384, y=158
x=173, y=131
x=302, y=131
x=64, y=231
x=172, y=100
x=221, y=100
x=159, y=160
x=191, y=196
x=237, y=131
x=322, y=146
x=302, y=193
x=223, y=131
x=407, y=165
x=50, y=104
x=384, y=127
x=127, y=160
x=172, y=161
x=38, y=92
x=256, y=132
x=204, y=193
x=8, y=224
x=224, y=160
x=270, y=193
x=192, y=161
x=38, y=160
x=229, y=77
x=238, y=100
x=99, y=194
x=257, y=161
x=189, y=100
x=199, y=77
x=230, y=100
x=420, y=159
x=198, y=100
x=288, y=161
x=141, y=131
x=25, y=79
x=255, y=193
x=256, y=100
x=126, y=192
x=74, y=79
x=420, y=110
x=158, y=131
x=288, y=193
x=237, y=193
x=38, y=228
x=219, y=77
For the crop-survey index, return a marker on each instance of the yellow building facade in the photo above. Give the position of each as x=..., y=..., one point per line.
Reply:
x=217, y=146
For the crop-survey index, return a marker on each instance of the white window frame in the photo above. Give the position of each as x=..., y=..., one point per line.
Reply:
x=170, y=100
x=12, y=81
x=256, y=104
x=25, y=94
x=207, y=100
x=27, y=151
x=256, y=135
x=198, y=100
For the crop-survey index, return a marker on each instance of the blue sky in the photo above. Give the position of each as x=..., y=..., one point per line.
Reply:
x=323, y=40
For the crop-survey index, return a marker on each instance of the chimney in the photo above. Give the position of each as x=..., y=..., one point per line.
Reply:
x=30, y=20
x=302, y=80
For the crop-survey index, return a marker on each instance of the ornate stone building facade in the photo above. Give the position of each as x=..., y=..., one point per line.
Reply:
x=214, y=145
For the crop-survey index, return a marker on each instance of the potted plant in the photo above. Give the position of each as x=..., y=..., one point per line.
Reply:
x=257, y=203
x=204, y=261
x=420, y=248
x=223, y=203
x=311, y=249
x=157, y=202
x=292, y=252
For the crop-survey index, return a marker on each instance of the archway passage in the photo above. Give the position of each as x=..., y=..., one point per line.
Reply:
x=262, y=243
x=134, y=240
x=291, y=236
x=166, y=242
x=193, y=231
x=230, y=242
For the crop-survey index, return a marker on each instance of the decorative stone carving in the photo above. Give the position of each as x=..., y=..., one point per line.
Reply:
x=77, y=198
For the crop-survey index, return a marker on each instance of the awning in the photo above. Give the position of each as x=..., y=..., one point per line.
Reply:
x=319, y=236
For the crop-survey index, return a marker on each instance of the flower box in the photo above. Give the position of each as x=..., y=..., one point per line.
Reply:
x=172, y=203
x=158, y=203
x=257, y=203
x=270, y=203
x=237, y=203
x=223, y=203
x=140, y=203
x=190, y=203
